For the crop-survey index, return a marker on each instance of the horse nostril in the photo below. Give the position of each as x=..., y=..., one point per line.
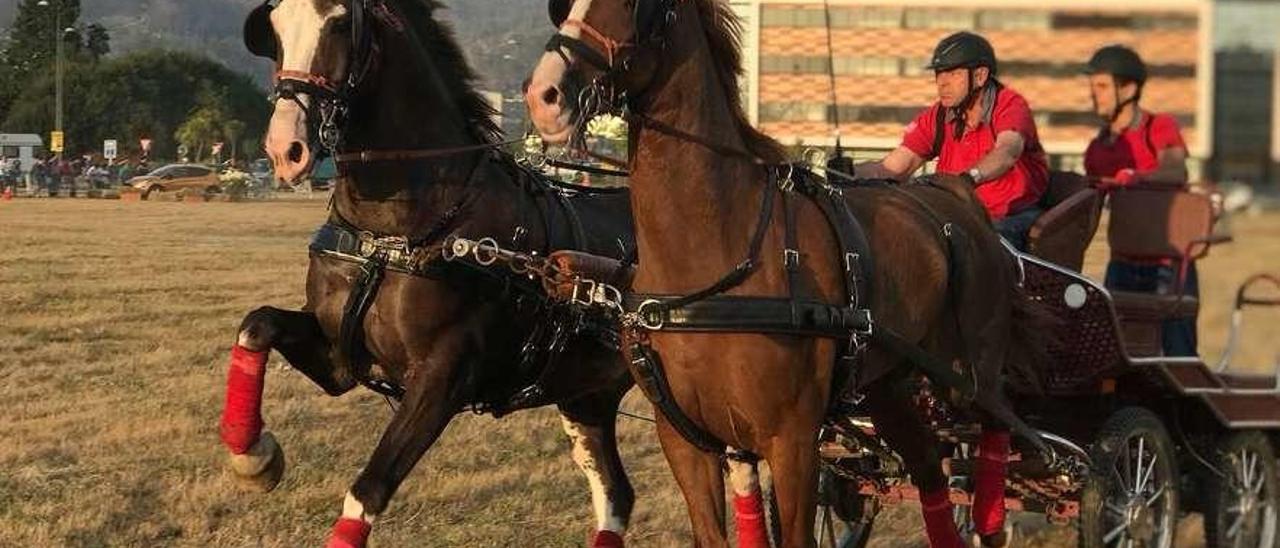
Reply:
x=524, y=86
x=551, y=96
x=295, y=152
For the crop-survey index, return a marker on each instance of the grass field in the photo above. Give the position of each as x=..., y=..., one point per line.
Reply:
x=115, y=322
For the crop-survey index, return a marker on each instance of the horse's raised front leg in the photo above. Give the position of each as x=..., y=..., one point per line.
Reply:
x=429, y=403
x=255, y=456
x=590, y=425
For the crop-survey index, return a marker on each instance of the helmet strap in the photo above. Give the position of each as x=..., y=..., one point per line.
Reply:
x=961, y=110
x=1119, y=108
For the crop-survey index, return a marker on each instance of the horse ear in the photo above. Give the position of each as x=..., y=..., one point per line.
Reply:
x=259, y=35
x=558, y=11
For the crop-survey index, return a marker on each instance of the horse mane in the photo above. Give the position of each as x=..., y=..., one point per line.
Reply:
x=723, y=32
x=436, y=42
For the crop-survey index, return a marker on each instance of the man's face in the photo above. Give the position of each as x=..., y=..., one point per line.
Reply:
x=953, y=85
x=1103, y=88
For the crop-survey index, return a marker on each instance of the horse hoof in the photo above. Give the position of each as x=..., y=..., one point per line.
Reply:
x=605, y=538
x=261, y=467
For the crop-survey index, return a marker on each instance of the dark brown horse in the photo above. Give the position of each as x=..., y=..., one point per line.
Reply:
x=940, y=280
x=384, y=84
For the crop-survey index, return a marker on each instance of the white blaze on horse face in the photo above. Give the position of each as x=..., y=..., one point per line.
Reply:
x=588, y=452
x=354, y=509
x=551, y=119
x=299, y=24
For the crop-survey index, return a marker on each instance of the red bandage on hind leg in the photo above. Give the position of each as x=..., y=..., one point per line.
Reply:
x=605, y=538
x=988, y=491
x=748, y=515
x=349, y=533
x=241, y=415
x=939, y=523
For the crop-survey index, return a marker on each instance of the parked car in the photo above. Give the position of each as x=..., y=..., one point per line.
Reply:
x=177, y=177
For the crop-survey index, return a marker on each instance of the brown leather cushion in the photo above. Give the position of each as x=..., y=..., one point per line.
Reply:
x=578, y=265
x=1062, y=234
x=1149, y=306
x=1150, y=224
x=1062, y=185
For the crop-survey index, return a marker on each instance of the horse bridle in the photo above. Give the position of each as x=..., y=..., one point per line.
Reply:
x=609, y=91
x=330, y=101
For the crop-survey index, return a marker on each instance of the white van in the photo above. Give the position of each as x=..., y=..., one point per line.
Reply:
x=22, y=146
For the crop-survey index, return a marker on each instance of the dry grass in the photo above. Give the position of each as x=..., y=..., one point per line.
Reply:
x=115, y=321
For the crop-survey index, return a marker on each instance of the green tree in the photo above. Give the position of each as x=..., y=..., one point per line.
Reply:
x=145, y=94
x=30, y=48
x=97, y=42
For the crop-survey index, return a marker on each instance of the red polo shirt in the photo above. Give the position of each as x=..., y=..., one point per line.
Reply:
x=1018, y=188
x=1137, y=148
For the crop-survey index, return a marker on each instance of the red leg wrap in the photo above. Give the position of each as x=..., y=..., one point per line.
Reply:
x=242, y=416
x=607, y=539
x=939, y=524
x=988, y=495
x=349, y=533
x=748, y=515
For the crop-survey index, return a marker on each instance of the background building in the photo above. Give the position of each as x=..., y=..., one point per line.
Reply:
x=880, y=49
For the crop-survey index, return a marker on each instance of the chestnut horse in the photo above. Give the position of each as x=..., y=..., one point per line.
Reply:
x=941, y=278
x=383, y=84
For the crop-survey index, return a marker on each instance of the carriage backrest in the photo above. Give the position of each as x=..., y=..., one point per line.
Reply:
x=1157, y=224
x=1072, y=211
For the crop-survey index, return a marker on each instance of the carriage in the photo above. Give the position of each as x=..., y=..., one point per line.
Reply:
x=1136, y=437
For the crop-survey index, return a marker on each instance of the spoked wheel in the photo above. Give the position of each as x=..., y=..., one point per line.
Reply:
x=844, y=515
x=1244, y=501
x=1131, y=498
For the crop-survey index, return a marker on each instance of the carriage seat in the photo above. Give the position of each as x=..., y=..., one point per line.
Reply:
x=1062, y=233
x=581, y=265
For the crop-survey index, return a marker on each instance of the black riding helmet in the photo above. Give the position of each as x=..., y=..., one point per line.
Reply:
x=969, y=51
x=1124, y=65
x=963, y=49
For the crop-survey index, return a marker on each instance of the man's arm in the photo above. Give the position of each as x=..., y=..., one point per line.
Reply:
x=1009, y=146
x=1172, y=168
x=897, y=165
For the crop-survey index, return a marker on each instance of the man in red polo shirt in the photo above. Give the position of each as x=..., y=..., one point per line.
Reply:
x=1136, y=146
x=980, y=129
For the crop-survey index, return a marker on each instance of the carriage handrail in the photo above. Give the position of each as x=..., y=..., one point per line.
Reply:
x=1237, y=318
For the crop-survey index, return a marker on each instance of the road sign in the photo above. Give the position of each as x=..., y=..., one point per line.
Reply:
x=55, y=141
x=109, y=149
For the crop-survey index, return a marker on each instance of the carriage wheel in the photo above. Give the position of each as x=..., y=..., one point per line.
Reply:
x=844, y=516
x=1131, y=497
x=1243, y=503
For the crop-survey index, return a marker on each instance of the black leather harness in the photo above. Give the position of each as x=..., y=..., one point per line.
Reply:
x=425, y=257
x=711, y=311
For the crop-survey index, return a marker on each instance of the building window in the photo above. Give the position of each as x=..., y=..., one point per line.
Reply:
x=1014, y=20
x=792, y=64
x=1091, y=21
x=931, y=18
x=793, y=112
x=868, y=66
x=867, y=17
x=779, y=16
x=1167, y=21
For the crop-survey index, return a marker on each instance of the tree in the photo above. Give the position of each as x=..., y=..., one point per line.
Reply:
x=145, y=94
x=30, y=48
x=97, y=41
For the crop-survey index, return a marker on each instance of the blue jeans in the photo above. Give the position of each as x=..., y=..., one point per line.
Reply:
x=1013, y=228
x=1178, y=336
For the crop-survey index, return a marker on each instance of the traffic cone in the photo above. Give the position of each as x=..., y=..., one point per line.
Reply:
x=8, y=194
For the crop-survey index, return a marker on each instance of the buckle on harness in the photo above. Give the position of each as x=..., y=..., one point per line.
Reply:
x=651, y=321
x=790, y=258
x=870, y=328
